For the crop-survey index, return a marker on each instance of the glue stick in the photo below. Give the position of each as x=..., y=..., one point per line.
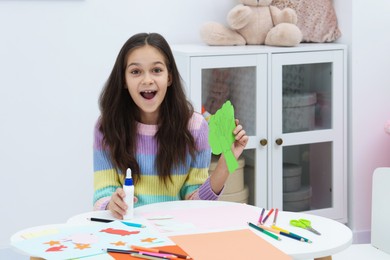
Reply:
x=128, y=188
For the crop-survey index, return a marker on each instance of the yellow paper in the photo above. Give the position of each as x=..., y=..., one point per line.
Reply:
x=40, y=233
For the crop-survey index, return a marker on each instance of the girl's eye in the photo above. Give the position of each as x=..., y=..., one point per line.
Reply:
x=157, y=70
x=134, y=72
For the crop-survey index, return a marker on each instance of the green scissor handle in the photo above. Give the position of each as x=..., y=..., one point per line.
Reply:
x=305, y=224
x=302, y=223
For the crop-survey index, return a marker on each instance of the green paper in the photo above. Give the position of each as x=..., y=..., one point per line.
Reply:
x=221, y=137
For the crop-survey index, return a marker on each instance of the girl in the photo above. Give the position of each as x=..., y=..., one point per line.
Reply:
x=148, y=125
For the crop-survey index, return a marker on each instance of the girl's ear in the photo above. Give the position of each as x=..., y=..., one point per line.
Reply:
x=169, y=79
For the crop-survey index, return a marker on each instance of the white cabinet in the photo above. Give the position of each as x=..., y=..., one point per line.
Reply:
x=292, y=103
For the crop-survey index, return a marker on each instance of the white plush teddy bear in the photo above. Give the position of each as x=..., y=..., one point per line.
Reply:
x=255, y=22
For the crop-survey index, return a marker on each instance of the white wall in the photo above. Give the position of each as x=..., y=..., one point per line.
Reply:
x=54, y=59
x=365, y=30
x=370, y=93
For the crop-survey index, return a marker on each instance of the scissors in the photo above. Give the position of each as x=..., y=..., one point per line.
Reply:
x=305, y=224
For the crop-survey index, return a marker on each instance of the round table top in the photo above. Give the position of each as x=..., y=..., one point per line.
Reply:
x=199, y=216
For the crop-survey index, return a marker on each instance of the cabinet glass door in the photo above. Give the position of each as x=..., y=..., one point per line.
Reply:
x=242, y=79
x=307, y=97
x=308, y=116
x=237, y=84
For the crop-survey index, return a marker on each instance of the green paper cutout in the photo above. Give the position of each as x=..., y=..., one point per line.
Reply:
x=221, y=137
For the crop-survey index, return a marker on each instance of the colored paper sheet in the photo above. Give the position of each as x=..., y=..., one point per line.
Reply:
x=237, y=244
x=90, y=240
x=40, y=233
x=96, y=257
x=221, y=137
x=205, y=218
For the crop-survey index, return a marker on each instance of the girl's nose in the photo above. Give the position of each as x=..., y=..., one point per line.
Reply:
x=147, y=80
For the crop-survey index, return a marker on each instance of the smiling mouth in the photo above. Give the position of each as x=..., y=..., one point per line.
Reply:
x=148, y=94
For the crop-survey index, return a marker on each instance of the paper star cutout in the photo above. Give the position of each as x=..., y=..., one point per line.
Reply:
x=149, y=239
x=82, y=246
x=52, y=243
x=119, y=243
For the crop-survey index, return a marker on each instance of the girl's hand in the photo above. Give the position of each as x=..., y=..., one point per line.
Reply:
x=117, y=205
x=241, y=140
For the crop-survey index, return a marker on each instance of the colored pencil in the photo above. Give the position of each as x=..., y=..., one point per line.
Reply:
x=293, y=235
x=111, y=220
x=261, y=216
x=266, y=217
x=264, y=231
x=101, y=220
x=155, y=250
x=122, y=251
x=165, y=256
x=131, y=224
x=276, y=216
x=142, y=256
x=286, y=234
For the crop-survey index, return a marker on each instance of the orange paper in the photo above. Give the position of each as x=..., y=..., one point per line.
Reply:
x=237, y=244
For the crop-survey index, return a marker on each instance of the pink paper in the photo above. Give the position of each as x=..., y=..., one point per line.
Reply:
x=207, y=218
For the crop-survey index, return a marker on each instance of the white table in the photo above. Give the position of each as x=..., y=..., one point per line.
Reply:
x=197, y=216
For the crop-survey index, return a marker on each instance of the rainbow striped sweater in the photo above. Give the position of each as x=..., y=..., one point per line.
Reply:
x=189, y=180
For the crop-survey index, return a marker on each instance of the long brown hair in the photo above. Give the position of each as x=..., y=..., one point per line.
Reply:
x=119, y=114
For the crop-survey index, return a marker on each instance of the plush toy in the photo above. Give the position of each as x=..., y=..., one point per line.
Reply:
x=387, y=127
x=254, y=22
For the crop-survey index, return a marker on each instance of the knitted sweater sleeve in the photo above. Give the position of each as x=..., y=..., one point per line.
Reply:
x=198, y=176
x=106, y=178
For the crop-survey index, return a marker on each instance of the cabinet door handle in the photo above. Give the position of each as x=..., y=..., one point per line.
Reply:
x=263, y=142
x=279, y=141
